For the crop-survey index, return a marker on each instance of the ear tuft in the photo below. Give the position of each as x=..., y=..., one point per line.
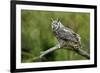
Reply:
x=58, y=19
x=52, y=19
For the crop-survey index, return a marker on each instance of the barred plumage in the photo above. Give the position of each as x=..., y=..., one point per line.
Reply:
x=66, y=37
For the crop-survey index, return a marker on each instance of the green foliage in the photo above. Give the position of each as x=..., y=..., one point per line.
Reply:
x=37, y=35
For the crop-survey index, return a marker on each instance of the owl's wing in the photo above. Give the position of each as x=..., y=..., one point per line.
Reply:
x=67, y=35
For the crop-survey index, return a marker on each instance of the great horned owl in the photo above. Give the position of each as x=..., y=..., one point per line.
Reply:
x=67, y=38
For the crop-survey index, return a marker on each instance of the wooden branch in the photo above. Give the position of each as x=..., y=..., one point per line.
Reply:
x=79, y=51
x=49, y=50
x=46, y=52
x=82, y=53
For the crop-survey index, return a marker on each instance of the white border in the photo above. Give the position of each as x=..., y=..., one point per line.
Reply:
x=20, y=65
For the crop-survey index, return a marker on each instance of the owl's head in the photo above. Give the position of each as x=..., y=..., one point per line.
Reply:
x=55, y=24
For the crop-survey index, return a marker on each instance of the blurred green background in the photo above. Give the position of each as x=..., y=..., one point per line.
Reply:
x=37, y=35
